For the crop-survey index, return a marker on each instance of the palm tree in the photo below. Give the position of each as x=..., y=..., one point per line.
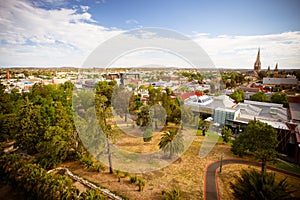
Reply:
x=171, y=142
x=255, y=185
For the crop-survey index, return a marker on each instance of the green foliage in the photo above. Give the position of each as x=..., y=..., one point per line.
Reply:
x=8, y=125
x=171, y=195
x=203, y=124
x=118, y=173
x=193, y=76
x=141, y=184
x=171, y=142
x=92, y=194
x=281, y=98
x=133, y=179
x=226, y=134
x=254, y=185
x=87, y=162
x=259, y=139
x=120, y=101
x=147, y=135
x=34, y=181
x=238, y=95
x=187, y=115
x=126, y=174
x=53, y=149
x=99, y=167
x=143, y=117
x=260, y=96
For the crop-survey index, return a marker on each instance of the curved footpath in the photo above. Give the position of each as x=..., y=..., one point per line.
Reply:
x=210, y=179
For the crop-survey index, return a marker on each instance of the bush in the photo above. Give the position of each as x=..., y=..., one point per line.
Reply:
x=99, y=167
x=126, y=174
x=133, y=179
x=118, y=173
x=170, y=195
x=141, y=184
x=87, y=162
x=147, y=135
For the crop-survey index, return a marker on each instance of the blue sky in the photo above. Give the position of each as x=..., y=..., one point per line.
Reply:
x=51, y=32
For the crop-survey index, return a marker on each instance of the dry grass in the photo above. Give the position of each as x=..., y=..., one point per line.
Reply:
x=185, y=174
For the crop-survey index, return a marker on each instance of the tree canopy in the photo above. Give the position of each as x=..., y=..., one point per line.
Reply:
x=238, y=95
x=260, y=96
x=281, y=98
x=259, y=139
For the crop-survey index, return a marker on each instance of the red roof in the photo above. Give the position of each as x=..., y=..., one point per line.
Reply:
x=186, y=95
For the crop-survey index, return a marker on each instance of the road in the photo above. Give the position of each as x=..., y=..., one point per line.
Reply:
x=210, y=182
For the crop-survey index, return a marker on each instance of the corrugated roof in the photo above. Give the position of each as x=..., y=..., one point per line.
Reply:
x=280, y=81
x=295, y=111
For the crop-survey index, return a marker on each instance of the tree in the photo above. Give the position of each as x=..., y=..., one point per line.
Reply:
x=32, y=128
x=54, y=147
x=226, y=134
x=260, y=96
x=254, y=185
x=143, y=117
x=147, y=135
x=238, y=95
x=281, y=98
x=187, y=116
x=260, y=140
x=171, y=142
x=120, y=101
x=104, y=92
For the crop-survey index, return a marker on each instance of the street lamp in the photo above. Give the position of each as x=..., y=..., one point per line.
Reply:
x=221, y=163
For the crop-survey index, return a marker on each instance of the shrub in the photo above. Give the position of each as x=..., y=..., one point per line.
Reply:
x=133, y=179
x=118, y=173
x=99, y=167
x=147, y=135
x=141, y=184
x=87, y=162
x=170, y=195
x=126, y=174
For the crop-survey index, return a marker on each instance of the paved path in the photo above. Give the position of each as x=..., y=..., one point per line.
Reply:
x=210, y=184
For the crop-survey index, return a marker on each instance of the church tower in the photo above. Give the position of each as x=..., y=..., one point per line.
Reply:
x=257, y=64
x=268, y=71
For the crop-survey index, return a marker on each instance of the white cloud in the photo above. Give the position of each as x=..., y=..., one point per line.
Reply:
x=240, y=51
x=65, y=37
x=131, y=21
x=35, y=36
x=85, y=8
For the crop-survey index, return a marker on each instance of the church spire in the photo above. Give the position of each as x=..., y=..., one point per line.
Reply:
x=257, y=64
x=276, y=67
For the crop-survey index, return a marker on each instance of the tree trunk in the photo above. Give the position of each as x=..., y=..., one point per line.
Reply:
x=126, y=112
x=108, y=151
x=109, y=156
